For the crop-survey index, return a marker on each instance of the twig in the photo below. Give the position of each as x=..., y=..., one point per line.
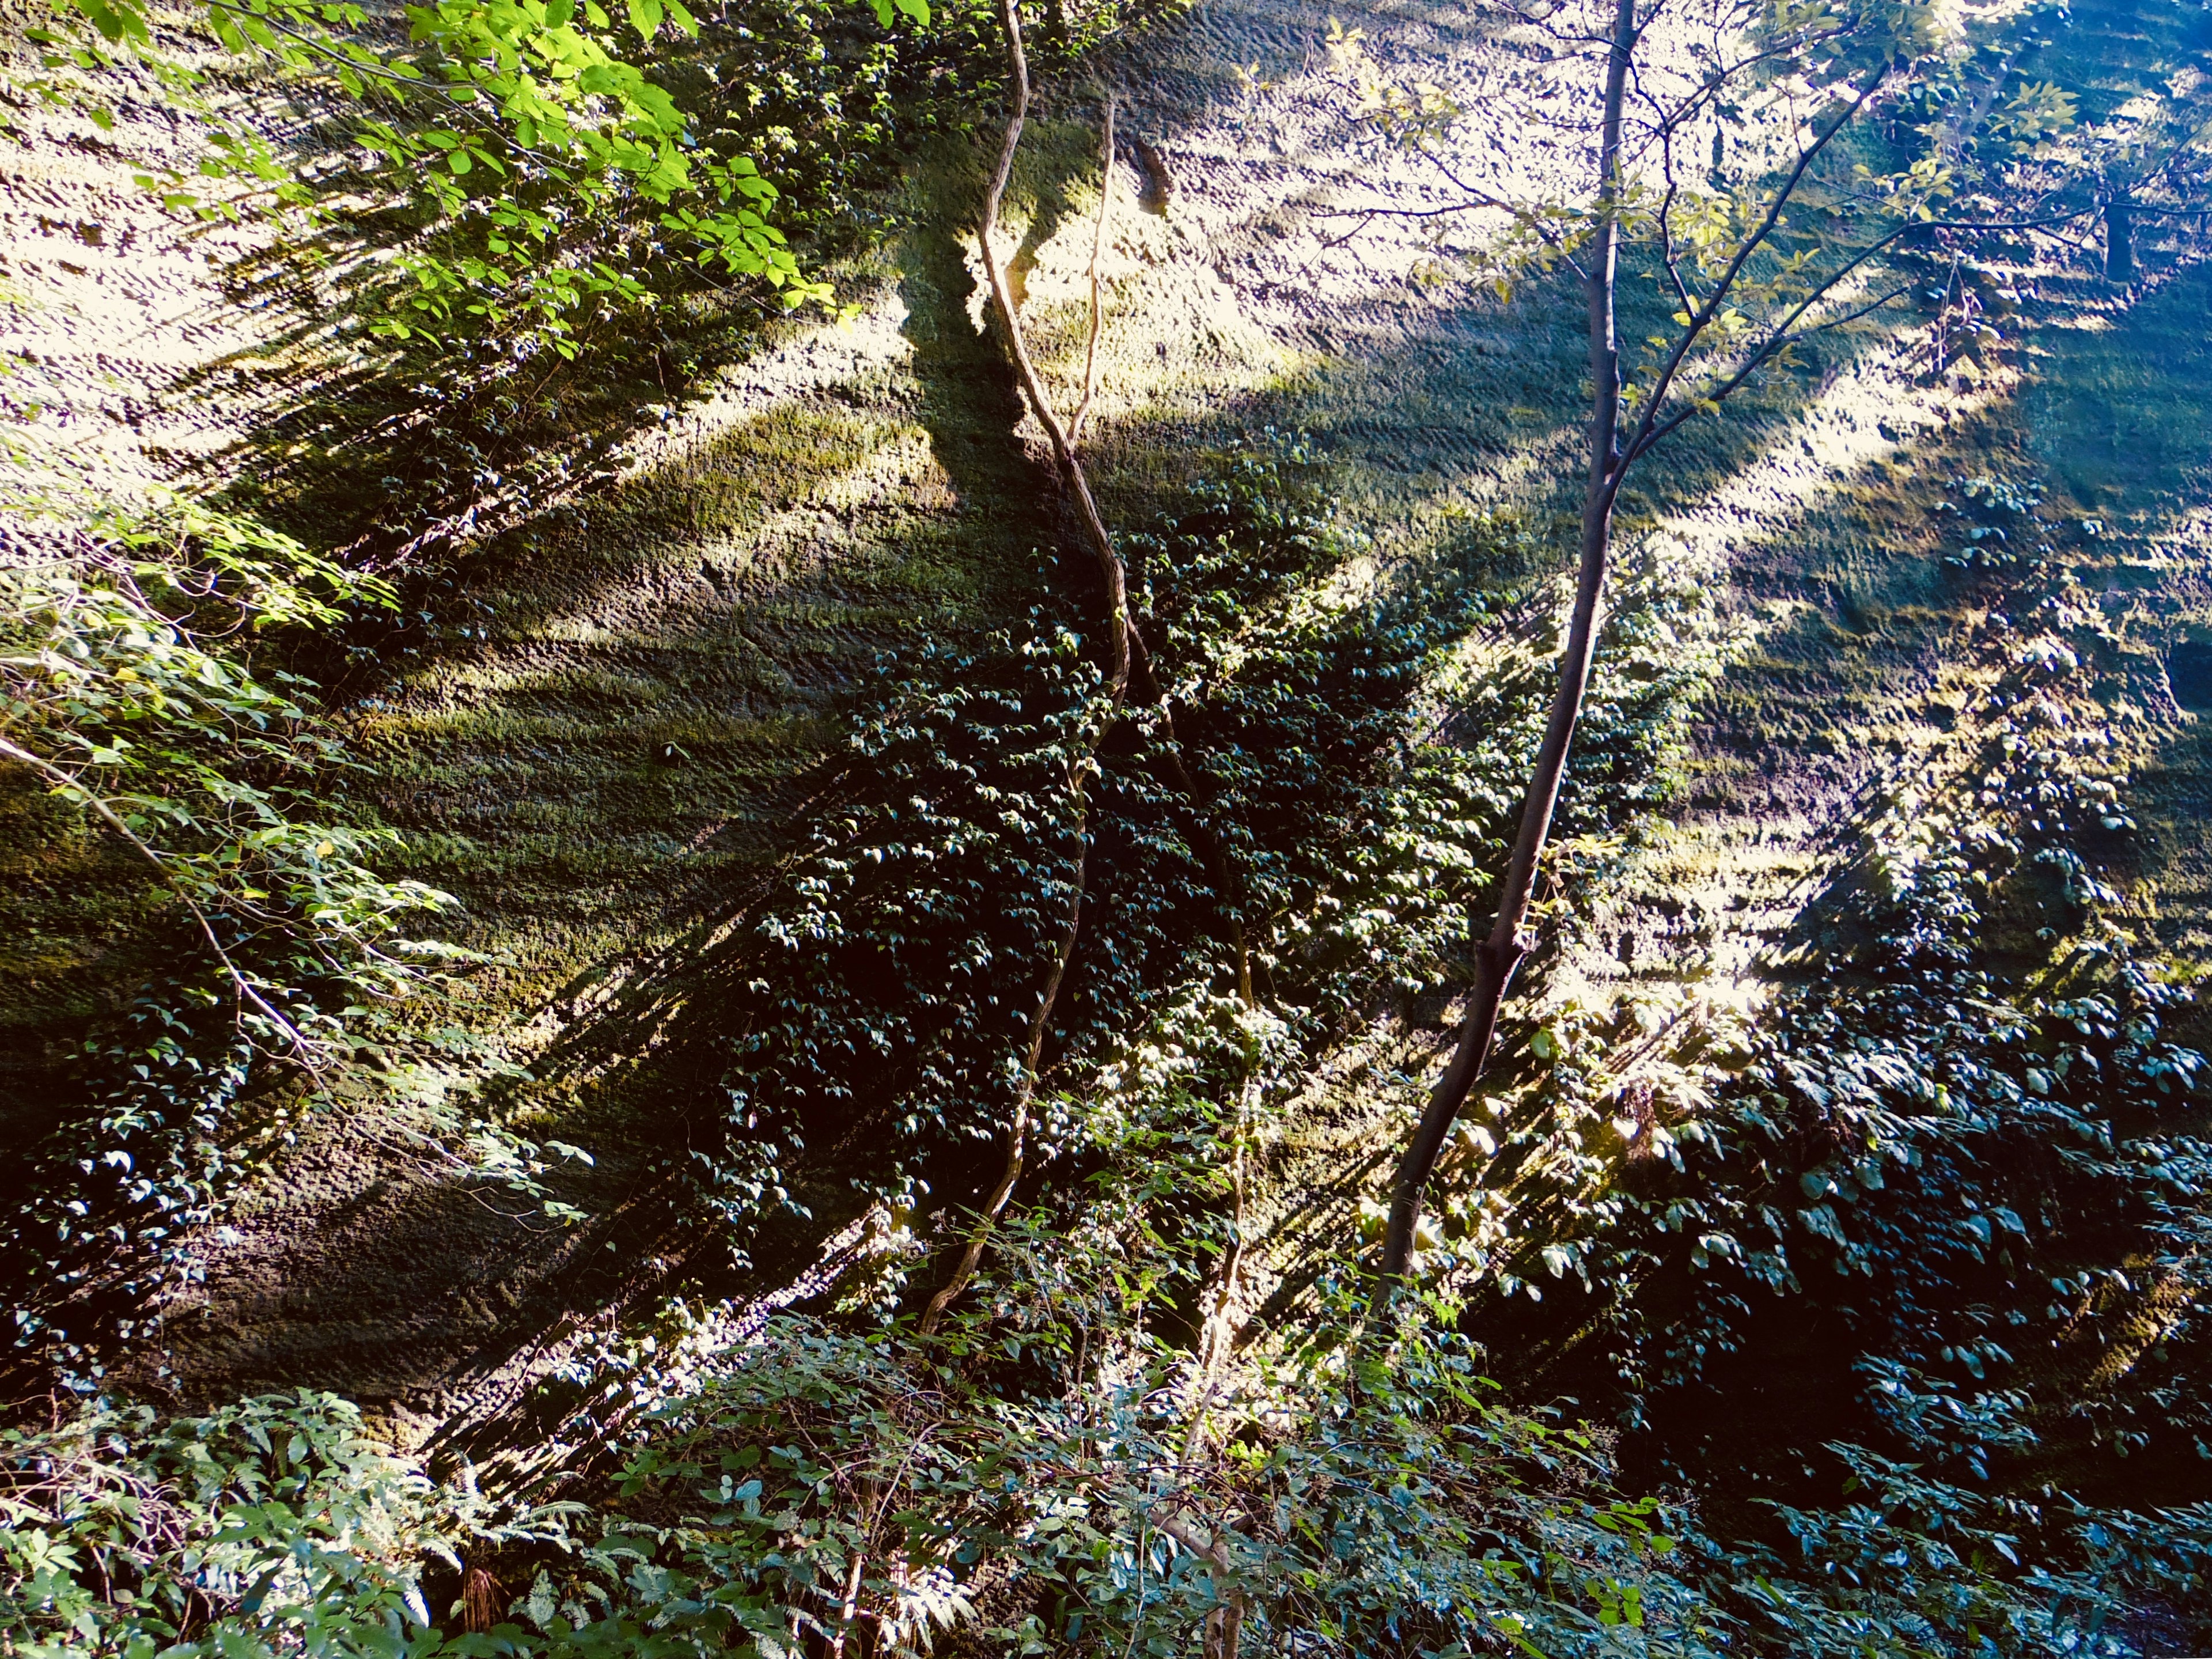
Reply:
x=1098, y=250
x=1703, y=317
x=246, y=988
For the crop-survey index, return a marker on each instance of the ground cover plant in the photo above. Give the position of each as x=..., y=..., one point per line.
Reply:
x=128, y=701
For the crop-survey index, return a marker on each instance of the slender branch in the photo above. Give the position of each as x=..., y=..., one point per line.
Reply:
x=1365, y=214
x=2143, y=212
x=1365, y=220
x=1767, y=353
x=1709, y=92
x=1846, y=318
x=1702, y=318
x=1098, y=251
x=1017, y=1131
x=1481, y=197
x=247, y=990
x=1551, y=239
x=1666, y=222
x=1651, y=429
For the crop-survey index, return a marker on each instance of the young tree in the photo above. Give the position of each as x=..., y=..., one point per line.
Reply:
x=1787, y=237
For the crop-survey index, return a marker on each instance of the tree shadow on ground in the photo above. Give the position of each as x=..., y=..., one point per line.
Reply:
x=724, y=607
x=641, y=1021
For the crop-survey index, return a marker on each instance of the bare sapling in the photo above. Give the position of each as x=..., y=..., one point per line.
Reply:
x=1130, y=666
x=1744, y=286
x=1120, y=635
x=1222, y=1632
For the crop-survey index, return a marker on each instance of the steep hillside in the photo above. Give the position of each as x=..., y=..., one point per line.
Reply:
x=1895, y=776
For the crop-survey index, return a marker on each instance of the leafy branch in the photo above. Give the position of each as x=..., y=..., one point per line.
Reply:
x=533, y=96
x=122, y=687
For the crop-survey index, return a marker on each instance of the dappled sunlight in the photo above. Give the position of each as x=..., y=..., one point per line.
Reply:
x=905, y=1135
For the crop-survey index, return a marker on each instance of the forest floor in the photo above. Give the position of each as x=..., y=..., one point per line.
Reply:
x=608, y=765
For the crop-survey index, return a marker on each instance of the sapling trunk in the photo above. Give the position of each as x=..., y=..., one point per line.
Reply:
x=1498, y=956
x=1122, y=634
x=1131, y=662
x=2120, y=239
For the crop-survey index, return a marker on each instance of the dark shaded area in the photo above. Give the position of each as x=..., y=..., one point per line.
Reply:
x=2189, y=671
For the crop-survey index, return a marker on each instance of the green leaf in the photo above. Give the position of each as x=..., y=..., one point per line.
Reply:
x=116, y=20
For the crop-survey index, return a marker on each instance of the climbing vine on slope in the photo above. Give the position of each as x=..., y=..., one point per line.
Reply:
x=1060, y=1469
x=911, y=940
x=896, y=969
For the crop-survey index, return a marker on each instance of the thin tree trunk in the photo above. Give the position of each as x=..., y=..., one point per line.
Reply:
x=1131, y=662
x=2120, y=239
x=1018, y=1129
x=1097, y=291
x=1110, y=567
x=1117, y=591
x=1499, y=954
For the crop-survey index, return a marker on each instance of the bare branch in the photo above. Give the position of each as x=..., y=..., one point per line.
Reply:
x=1665, y=220
x=1365, y=220
x=247, y=991
x=1702, y=318
x=1766, y=352
x=1098, y=250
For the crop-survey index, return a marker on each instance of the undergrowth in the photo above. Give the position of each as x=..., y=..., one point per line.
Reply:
x=908, y=944
x=168, y=659
x=1948, y=1163
x=136, y=691
x=1938, y=1209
